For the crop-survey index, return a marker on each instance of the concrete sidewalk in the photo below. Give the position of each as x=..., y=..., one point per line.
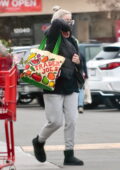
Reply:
x=25, y=161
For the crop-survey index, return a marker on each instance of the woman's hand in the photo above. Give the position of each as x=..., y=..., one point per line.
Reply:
x=76, y=59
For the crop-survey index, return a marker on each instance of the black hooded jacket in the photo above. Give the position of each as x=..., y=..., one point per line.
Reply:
x=67, y=82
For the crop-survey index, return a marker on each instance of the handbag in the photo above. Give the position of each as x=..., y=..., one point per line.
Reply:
x=87, y=93
x=79, y=76
x=42, y=67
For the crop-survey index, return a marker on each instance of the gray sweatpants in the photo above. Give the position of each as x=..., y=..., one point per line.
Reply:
x=58, y=108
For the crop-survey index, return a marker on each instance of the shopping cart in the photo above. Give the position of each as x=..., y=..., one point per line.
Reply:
x=8, y=81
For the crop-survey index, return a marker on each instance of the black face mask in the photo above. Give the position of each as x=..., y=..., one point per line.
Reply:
x=71, y=23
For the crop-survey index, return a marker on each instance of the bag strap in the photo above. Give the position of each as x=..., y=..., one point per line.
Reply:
x=42, y=44
x=57, y=45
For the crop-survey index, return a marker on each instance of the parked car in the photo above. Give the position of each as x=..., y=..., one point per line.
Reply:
x=104, y=74
x=26, y=92
x=90, y=50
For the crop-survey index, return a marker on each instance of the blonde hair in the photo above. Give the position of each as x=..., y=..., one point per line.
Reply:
x=59, y=13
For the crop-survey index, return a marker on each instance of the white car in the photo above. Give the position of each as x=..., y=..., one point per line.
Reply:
x=104, y=74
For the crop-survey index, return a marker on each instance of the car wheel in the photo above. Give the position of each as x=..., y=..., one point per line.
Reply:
x=25, y=99
x=116, y=101
x=41, y=101
x=108, y=103
x=95, y=102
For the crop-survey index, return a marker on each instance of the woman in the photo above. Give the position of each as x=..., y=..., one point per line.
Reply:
x=62, y=102
x=81, y=94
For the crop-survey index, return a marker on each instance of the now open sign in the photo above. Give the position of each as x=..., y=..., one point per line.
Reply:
x=11, y=6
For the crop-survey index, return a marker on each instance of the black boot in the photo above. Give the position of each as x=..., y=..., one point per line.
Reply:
x=39, y=151
x=70, y=159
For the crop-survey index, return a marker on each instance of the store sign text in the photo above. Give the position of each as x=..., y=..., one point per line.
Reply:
x=20, y=5
x=22, y=30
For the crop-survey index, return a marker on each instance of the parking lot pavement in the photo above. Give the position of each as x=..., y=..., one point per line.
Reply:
x=97, y=141
x=104, y=156
x=91, y=154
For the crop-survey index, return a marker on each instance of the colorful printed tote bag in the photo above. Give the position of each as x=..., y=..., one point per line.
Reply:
x=42, y=67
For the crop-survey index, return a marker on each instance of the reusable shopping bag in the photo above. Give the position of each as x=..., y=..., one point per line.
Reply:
x=42, y=67
x=87, y=93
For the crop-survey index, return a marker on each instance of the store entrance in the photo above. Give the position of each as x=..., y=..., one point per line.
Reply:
x=22, y=36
